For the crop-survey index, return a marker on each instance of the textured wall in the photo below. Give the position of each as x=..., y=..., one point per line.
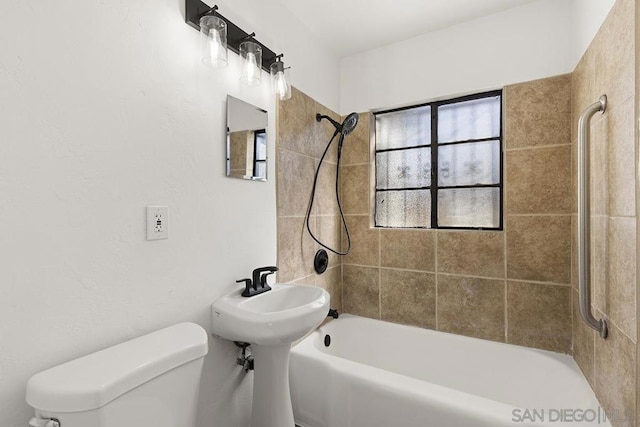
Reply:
x=607, y=67
x=484, y=53
x=511, y=286
x=105, y=108
x=301, y=141
x=586, y=19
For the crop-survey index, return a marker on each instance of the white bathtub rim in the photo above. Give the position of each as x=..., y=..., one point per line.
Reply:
x=482, y=407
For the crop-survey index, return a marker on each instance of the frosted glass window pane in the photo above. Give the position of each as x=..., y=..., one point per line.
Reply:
x=403, y=208
x=476, y=119
x=403, y=168
x=261, y=170
x=469, y=164
x=261, y=146
x=406, y=128
x=469, y=207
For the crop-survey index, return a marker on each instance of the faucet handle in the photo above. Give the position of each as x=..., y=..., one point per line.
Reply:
x=263, y=278
x=247, y=284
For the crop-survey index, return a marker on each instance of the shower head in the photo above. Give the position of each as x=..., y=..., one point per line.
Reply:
x=347, y=126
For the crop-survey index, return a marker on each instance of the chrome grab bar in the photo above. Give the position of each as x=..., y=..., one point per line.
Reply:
x=584, y=213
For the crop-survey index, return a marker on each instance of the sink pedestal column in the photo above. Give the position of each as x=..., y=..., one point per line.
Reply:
x=271, y=395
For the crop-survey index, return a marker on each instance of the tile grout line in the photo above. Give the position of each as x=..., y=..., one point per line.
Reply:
x=317, y=159
x=355, y=164
x=532, y=282
x=538, y=147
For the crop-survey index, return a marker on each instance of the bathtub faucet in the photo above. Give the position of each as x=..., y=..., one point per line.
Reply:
x=333, y=313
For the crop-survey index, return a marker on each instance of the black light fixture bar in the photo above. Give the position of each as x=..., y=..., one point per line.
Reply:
x=195, y=9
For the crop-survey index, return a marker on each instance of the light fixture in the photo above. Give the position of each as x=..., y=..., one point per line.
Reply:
x=280, y=79
x=218, y=34
x=213, y=36
x=250, y=57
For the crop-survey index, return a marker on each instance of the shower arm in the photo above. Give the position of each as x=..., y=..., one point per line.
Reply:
x=584, y=212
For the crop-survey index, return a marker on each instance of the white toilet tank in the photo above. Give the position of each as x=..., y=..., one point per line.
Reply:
x=149, y=381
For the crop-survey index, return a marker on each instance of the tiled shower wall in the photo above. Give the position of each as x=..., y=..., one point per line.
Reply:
x=608, y=67
x=301, y=140
x=518, y=285
x=510, y=286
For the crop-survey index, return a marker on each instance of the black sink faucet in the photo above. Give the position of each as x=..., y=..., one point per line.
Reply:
x=259, y=283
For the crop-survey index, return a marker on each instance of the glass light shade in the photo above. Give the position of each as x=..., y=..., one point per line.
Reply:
x=250, y=63
x=213, y=37
x=280, y=80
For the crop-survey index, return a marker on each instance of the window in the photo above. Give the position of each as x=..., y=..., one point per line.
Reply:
x=439, y=165
x=260, y=153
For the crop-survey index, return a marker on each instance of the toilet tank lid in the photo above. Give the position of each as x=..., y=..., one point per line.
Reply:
x=92, y=381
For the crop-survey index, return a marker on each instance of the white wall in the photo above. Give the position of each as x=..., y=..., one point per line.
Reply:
x=104, y=109
x=586, y=18
x=519, y=44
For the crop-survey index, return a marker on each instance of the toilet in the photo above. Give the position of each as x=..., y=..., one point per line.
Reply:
x=152, y=380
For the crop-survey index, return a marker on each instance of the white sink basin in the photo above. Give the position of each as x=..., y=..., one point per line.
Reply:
x=280, y=316
x=270, y=322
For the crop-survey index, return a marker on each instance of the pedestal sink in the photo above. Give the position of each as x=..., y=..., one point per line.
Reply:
x=270, y=322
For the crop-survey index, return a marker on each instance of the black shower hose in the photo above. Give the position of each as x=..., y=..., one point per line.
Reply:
x=313, y=195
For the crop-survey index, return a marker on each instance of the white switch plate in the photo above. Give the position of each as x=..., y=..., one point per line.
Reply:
x=157, y=222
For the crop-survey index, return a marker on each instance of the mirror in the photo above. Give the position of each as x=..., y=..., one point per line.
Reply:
x=246, y=140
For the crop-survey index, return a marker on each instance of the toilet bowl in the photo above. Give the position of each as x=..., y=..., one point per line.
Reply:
x=152, y=380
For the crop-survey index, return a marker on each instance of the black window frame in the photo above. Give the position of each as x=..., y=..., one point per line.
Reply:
x=434, y=145
x=255, y=151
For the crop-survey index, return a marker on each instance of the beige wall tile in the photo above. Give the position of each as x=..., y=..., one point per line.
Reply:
x=323, y=134
x=539, y=248
x=574, y=177
x=474, y=253
x=583, y=89
x=583, y=342
x=599, y=263
x=471, y=306
x=621, y=286
x=330, y=232
x=354, y=189
x=294, y=181
x=615, y=54
x=621, y=157
x=295, y=123
x=410, y=249
x=539, y=316
x=361, y=291
x=365, y=244
x=331, y=281
x=574, y=251
x=539, y=181
x=408, y=297
x=616, y=376
x=608, y=68
x=356, y=147
x=599, y=185
x=297, y=128
x=295, y=249
x=538, y=112
x=325, y=202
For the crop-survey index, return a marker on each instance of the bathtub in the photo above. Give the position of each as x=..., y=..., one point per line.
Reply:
x=379, y=374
